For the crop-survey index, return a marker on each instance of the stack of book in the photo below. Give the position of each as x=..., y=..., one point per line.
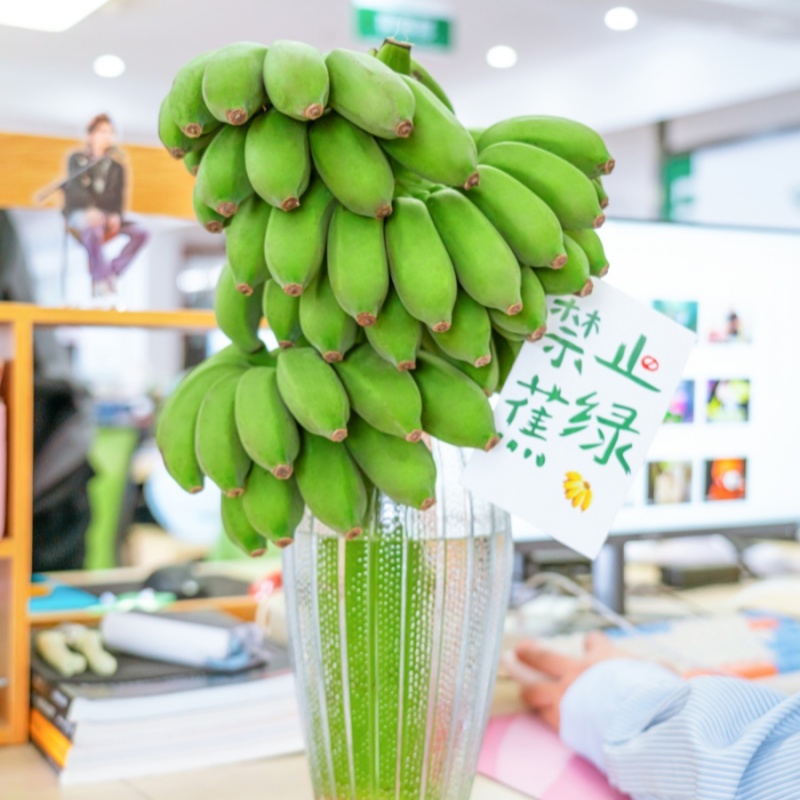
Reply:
x=154, y=717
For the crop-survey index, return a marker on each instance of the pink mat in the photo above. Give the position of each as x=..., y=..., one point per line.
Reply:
x=521, y=752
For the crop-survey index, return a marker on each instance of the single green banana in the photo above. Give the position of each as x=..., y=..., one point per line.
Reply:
x=574, y=278
x=177, y=143
x=386, y=398
x=486, y=377
x=233, y=87
x=222, y=172
x=175, y=432
x=369, y=94
x=531, y=322
x=561, y=185
x=592, y=246
x=396, y=334
x=570, y=140
x=454, y=407
x=421, y=269
x=441, y=148
x=395, y=54
x=358, y=268
x=602, y=195
x=485, y=264
x=207, y=217
x=266, y=429
x=273, y=507
x=282, y=312
x=296, y=79
x=217, y=444
x=186, y=105
x=238, y=528
x=277, y=159
x=329, y=329
x=352, y=165
x=238, y=315
x=469, y=337
x=427, y=80
x=313, y=393
x=245, y=244
x=405, y=471
x=192, y=161
x=331, y=485
x=295, y=242
x=525, y=221
x=507, y=352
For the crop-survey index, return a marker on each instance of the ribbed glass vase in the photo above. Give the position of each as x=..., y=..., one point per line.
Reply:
x=395, y=638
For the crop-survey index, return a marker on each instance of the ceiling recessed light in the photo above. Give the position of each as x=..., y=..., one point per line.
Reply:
x=53, y=16
x=109, y=66
x=621, y=19
x=501, y=57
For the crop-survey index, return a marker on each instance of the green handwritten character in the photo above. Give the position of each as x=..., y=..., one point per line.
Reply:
x=621, y=419
x=553, y=395
x=627, y=370
x=536, y=426
x=580, y=421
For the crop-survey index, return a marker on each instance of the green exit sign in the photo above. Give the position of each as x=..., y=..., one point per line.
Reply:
x=422, y=30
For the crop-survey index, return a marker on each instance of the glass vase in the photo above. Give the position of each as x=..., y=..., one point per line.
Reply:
x=395, y=639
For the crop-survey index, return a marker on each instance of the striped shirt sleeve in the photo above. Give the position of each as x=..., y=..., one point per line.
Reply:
x=659, y=737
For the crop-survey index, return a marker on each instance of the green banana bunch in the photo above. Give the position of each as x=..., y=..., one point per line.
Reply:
x=233, y=89
x=296, y=79
x=277, y=159
x=572, y=141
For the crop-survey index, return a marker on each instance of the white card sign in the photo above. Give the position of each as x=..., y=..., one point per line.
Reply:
x=578, y=413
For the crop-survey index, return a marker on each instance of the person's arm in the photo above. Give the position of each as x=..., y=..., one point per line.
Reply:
x=660, y=737
x=77, y=197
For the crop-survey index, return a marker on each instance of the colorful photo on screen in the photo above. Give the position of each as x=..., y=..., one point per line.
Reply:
x=681, y=407
x=669, y=482
x=728, y=400
x=727, y=323
x=684, y=312
x=726, y=479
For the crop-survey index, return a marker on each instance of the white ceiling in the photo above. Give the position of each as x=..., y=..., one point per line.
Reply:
x=685, y=56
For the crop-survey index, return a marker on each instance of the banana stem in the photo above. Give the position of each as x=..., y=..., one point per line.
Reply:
x=396, y=55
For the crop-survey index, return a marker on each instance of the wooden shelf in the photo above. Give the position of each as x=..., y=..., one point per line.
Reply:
x=53, y=317
x=7, y=547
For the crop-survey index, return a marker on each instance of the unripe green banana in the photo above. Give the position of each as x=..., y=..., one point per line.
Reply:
x=192, y=163
x=574, y=278
x=175, y=433
x=313, y=393
x=329, y=329
x=602, y=195
x=395, y=335
x=352, y=165
x=224, y=183
x=296, y=79
x=485, y=264
x=422, y=272
x=177, y=143
x=273, y=507
x=217, y=444
x=454, y=407
x=233, y=87
x=469, y=337
x=526, y=222
x=245, y=244
x=238, y=528
x=507, y=352
x=295, y=242
x=267, y=430
x=405, y=471
x=592, y=246
x=486, y=377
x=441, y=148
x=369, y=94
x=207, y=217
x=570, y=140
x=187, y=107
x=331, y=485
x=561, y=185
x=277, y=159
x=282, y=312
x=357, y=265
x=426, y=79
x=238, y=315
x=386, y=398
x=476, y=134
x=531, y=322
